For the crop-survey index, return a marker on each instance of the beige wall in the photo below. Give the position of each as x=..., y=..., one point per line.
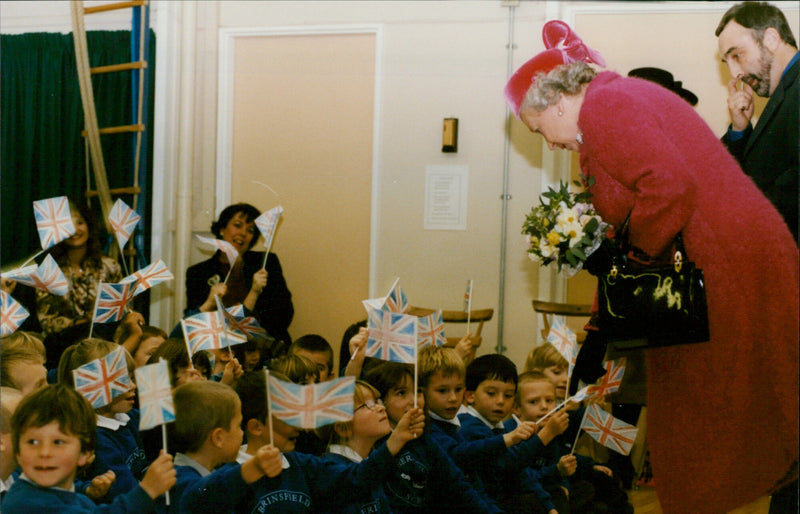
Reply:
x=435, y=60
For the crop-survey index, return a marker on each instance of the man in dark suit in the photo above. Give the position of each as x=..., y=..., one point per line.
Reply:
x=756, y=43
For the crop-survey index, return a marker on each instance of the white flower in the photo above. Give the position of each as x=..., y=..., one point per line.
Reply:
x=545, y=249
x=574, y=232
x=566, y=217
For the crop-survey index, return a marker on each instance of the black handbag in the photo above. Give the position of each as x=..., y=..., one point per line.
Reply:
x=649, y=305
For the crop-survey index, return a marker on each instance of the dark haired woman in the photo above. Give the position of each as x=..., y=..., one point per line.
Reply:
x=263, y=292
x=66, y=319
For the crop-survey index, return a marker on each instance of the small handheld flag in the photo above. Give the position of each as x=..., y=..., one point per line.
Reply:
x=47, y=277
x=430, y=330
x=123, y=220
x=112, y=302
x=103, y=379
x=608, y=430
x=148, y=276
x=12, y=314
x=155, y=395
x=312, y=405
x=225, y=247
x=612, y=380
x=394, y=301
x=205, y=331
x=53, y=220
x=267, y=223
x=392, y=336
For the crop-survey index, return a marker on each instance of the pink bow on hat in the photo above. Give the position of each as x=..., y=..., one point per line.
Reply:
x=563, y=47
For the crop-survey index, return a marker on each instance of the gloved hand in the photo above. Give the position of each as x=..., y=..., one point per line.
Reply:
x=589, y=362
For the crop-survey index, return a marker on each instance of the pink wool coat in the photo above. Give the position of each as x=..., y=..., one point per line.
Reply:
x=722, y=415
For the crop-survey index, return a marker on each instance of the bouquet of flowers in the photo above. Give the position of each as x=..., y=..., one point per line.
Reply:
x=565, y=229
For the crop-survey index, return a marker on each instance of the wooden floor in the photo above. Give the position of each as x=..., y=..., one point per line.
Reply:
x=645, y=501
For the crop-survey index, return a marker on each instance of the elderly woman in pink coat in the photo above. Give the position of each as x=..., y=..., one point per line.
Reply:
x=722, y=415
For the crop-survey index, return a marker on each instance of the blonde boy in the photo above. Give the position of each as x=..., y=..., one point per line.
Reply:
x=22, y=358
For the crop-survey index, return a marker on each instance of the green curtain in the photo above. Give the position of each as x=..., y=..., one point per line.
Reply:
x=42, y=153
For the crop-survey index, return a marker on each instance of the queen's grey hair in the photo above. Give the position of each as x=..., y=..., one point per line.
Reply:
x=563, y=80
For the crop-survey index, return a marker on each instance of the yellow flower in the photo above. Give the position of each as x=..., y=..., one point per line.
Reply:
x=553, y=238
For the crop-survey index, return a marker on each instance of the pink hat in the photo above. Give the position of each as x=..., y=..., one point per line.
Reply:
x=563, y=47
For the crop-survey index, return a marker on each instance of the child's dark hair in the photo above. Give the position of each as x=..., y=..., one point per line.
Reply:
x=387, y=375
x=200, y=407
x=94, y=250
x=61, y=403
x=251, y=345
x=250, y=214
x=252, y=390
x=490, y=367
x=314, y=343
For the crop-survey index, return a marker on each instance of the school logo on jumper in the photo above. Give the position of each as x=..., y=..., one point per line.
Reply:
x=282, y=497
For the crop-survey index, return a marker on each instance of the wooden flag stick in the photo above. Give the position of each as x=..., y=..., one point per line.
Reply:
x=164, y=445
x=269, y=408
x=32, y=258
x=580, y=427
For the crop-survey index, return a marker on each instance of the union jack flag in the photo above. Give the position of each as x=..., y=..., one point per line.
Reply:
x=53, y=220
x=612, y=380
x=148, y=276
x=223, y=246
x=312, y=405
x=206, y=331
x=103, y=379
x=123, y=220
x=468, y=297
x=392, y=336
x=112, y=302
x=155, y=395
x=12, y=314
x=430, y=330
x=396, y=300
x=564, y=340
x=48, y=277
x=267, y=223
x=237, y=311
x=240, y=327
x=608, y=430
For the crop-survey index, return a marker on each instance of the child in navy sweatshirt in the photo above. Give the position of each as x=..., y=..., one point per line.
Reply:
x=426, y=479
x=206, y=434
x=303, y=483
x=119, y=445
x=54, y=434
x=491, y=384
x=352, y=441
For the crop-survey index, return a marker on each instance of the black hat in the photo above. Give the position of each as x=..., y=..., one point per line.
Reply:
x=664, y=78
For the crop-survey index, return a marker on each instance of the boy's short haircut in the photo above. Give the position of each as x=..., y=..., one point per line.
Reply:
x=314, y=343
x=530, y=376
x=433, y=359
x=61, y=403
x=20, y=346
x=200, y=407
x=8, y=396
x=490, y=367
x=252, y=390
x=387, y=375
x=295, y=367
x=544, y=356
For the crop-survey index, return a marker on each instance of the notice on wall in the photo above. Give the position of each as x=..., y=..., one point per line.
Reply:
x=446, y=197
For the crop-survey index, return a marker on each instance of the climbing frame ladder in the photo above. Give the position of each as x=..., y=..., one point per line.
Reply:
x=92, y=132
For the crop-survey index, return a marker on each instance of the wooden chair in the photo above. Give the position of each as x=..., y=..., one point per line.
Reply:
x=561, y=309
x=477, y=317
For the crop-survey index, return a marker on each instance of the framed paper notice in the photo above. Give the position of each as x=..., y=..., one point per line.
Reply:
x=446, y=197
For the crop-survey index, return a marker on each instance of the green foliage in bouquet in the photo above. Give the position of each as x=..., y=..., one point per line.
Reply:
x=565, y=228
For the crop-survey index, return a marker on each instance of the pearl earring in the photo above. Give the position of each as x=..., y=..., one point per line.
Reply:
x=560, y=113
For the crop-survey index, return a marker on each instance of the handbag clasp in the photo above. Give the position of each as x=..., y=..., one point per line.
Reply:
x=678, y=261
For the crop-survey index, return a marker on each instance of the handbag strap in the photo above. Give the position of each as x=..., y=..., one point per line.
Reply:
x=621, y=235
